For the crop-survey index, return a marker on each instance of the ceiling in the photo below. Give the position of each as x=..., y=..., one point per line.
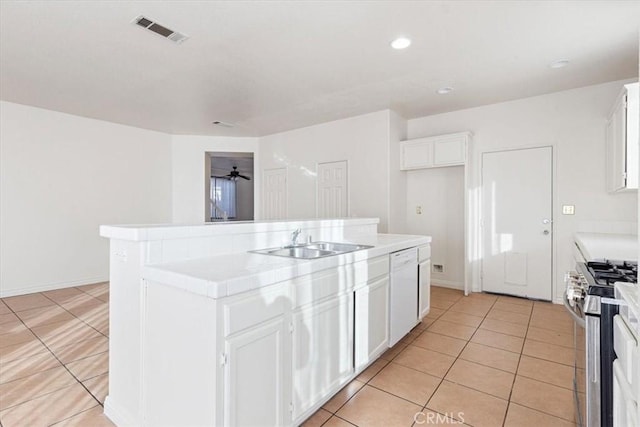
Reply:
x=274, y=66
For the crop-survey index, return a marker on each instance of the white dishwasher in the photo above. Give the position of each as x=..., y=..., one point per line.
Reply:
x=403, y=294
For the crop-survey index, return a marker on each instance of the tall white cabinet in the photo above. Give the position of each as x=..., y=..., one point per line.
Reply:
x=622, y=139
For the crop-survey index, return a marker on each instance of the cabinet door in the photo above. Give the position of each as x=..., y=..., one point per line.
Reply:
x=616, y=147
x=371, y=321
x=256, y=370
x=322, y=350
x=449, y=152
x=424, y=279
x=416, y=154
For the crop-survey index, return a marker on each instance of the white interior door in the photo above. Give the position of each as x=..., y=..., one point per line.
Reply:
x=274, y=195
x=517, y=222
x=332, y=190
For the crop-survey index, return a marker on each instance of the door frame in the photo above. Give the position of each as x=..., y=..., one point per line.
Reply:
x=348, y=185
x=477, y=233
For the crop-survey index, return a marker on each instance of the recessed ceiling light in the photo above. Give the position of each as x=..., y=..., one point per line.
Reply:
x=559, y=63
x=401, y=43
x=445, y=90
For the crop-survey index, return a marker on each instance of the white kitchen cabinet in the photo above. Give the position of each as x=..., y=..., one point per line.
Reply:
x=424, y=281
x=622, y=141
x=371, y=321
x=256, y=367
x=322, y=350
x=434, y=151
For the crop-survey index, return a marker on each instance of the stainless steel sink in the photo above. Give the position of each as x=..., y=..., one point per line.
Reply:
x=338, y=247
x=299, y=252
x=312, y=250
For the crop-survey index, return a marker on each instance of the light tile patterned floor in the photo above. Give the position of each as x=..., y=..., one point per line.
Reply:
x=483, y=360
x=54, y=358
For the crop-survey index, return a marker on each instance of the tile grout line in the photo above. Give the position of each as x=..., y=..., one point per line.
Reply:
x=515, y=376
x=388, y=362
x=56, y=357
x=454, y=362
x=79, y=318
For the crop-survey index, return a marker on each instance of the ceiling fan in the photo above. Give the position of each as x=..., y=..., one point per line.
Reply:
x=234, y=174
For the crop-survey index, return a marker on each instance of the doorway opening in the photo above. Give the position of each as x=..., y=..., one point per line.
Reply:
x=229, y=187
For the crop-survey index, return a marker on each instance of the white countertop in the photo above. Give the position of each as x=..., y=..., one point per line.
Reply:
x=630, y=293
x=143, y=232
x=622, y=247
x=230, y=274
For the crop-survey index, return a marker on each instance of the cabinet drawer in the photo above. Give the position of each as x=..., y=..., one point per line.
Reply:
x=317, y=286
x=334, y=281
x=424, y=253
x=626, y=348
x=365, y=271
x=252, y=310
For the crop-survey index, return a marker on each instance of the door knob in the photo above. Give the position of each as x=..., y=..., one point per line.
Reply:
x=545, y=232
x=546, y=221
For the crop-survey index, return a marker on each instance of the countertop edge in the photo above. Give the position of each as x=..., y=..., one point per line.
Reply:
x=288, y=269
x=144, y=232
x=591, y=252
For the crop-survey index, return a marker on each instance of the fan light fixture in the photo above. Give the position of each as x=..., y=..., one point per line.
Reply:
x=234, y=175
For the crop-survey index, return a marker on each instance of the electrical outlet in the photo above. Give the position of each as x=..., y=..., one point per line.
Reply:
x=568, y=210
x=438, y=268
x=419, y=210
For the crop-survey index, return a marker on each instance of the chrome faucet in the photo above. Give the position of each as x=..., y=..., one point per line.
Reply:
x=294, y=237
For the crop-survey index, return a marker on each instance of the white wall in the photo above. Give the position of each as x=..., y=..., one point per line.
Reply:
x=397, y=203
x=362, y=140
x=440, y=194
x=574, y=123
x=189, y=171
x=61, y=177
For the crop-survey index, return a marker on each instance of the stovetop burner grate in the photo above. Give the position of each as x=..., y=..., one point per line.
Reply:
x=607, y=272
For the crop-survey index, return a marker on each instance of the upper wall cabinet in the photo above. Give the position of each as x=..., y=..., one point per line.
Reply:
x=434, y=151
x=622, y=141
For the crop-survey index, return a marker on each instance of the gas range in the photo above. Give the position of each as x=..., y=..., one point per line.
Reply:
x=596, y=279
x=608, y=272
x=590, y=300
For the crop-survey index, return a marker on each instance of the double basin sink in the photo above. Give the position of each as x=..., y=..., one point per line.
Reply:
x=313, y=250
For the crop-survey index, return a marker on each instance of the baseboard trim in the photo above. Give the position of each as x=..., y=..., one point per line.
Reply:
x=52, y=286
x=448, y=284
x=117, y=415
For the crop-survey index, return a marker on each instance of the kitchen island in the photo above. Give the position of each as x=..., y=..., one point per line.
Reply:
x=205, y=333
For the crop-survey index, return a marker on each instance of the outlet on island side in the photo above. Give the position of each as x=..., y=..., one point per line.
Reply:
x=419, y=210
x=438, y=268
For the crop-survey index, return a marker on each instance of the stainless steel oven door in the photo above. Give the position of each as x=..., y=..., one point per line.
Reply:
x=580, y=361
x=592, y=407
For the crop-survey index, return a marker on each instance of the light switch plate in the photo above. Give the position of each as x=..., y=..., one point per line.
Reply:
x=568, y=210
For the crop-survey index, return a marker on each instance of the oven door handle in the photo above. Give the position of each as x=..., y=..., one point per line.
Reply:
x=579, y=320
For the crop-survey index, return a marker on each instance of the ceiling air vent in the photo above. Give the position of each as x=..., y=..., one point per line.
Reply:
x=165, y=32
